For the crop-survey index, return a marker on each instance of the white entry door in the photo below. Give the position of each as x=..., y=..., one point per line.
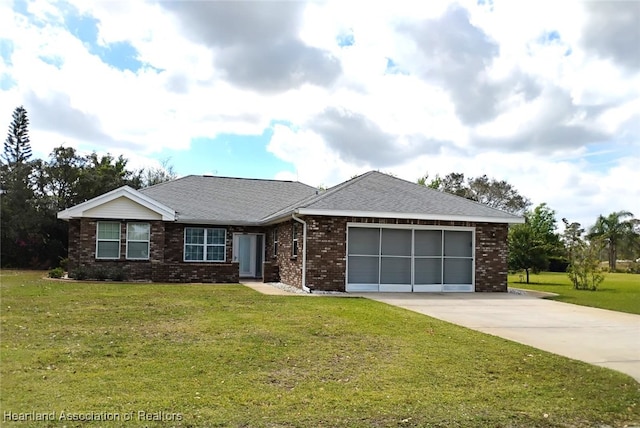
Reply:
x=244, y=252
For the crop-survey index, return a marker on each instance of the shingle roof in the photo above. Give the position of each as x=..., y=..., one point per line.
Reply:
x=227, y=200
x=375, y=192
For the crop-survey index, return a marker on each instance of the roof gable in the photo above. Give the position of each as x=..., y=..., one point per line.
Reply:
x=122, y=203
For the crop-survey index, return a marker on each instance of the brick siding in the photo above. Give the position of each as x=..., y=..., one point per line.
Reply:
x=166, y=250
x=326, y=252
x=290, y=266
x=326, y=256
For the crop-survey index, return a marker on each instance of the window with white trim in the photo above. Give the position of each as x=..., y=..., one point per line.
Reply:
x=205, y=244
x=108, y=240
x=294, y=240
x=138, y=239
x=275, y=241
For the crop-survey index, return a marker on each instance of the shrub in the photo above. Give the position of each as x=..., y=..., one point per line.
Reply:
x=584, y=265
x=99, y=273
x=558, y=264
x=634, y=267
x=116, y=274
x=64, y=263
x=79, y=274
x=56, y=273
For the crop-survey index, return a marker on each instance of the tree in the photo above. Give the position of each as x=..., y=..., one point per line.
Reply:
x=497, y=194
x=534, y=243
x=615, y=231
x=19, y=217
x=584, y=264
x=17, y=148
x=488, y=191
x=101, y=174
x=526, y=250
x=58, y=180
x=162, y=174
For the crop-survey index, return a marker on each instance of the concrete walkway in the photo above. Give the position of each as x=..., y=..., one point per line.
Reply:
x=597, y=336
x=263, y=288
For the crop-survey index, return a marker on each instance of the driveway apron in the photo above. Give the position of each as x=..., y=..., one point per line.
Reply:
x=597, y=336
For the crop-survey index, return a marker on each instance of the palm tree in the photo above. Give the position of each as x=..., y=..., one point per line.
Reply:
x=614, y=231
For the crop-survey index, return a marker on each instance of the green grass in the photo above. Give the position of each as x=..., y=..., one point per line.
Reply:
x=224, y=355
x=618, y=292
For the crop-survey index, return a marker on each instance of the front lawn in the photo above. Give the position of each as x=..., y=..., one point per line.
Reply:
x=618, y=292
x=212, y=355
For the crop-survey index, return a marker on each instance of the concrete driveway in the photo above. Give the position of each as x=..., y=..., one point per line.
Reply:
x=597, y=336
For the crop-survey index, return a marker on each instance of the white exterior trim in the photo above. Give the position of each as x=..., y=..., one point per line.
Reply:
x=408, y=226
x=108, y=240
x=78, y=211
x=127, y=240
x=409, y=216
x=258, y=250
x=304, y=250
x=184, y=245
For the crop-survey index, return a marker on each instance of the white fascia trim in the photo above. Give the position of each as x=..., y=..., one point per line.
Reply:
x=408, y=226
x=77, y=211
x=409, y=216
x=210, y=222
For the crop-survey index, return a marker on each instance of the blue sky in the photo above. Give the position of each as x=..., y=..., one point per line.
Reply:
x=544, y=95
x=229, y=156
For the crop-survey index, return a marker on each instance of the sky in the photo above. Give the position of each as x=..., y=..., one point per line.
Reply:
x=542, y=94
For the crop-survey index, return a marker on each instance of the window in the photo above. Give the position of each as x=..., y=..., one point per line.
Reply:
x=108, y=240
x=138, y=237
x=294, y=244
x=204, y=245
x=275, y=241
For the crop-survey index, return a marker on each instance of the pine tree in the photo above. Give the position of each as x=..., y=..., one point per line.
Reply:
x=19, y=217
x=17, y=148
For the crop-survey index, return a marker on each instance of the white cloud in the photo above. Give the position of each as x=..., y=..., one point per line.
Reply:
x=535, y=102
x=315, y=163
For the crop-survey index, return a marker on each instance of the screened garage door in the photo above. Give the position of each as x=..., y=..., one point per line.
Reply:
x=409, y=259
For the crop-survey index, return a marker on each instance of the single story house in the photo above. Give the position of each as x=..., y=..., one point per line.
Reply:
x=374, y=232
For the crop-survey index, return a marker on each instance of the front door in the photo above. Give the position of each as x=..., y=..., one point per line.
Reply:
x=244, y=252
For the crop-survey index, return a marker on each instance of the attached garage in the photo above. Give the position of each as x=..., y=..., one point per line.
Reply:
x=394, y=258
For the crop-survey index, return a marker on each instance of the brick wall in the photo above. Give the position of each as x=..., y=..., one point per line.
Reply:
x=326, y=240
x=491, y=257
x=326, y=256
x=166, y=250
x=290, y=267
x=74, y=245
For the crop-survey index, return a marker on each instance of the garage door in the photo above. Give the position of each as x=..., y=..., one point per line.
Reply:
x=409, y=259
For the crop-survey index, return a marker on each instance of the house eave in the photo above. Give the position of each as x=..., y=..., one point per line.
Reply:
x=218, y=222
x=410, y=216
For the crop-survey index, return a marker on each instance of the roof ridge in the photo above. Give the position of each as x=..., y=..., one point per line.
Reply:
x=197, y=176
x=166, y=182
x=330, y=191
x=252, y=179
x=304, y=202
